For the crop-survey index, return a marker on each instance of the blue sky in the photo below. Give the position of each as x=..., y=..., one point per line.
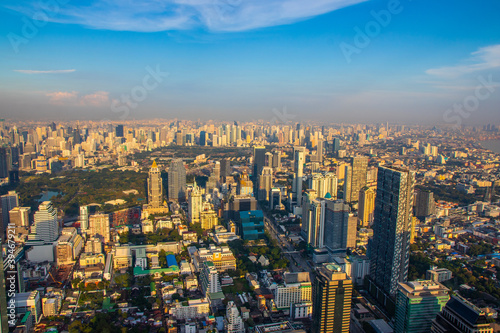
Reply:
x=327, y=60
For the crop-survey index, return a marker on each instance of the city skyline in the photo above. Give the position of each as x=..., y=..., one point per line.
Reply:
x=266, y=60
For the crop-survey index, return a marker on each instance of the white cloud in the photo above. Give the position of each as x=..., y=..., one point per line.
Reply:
x=73, y=98
x=163, y=15
x=57, y=71
x=485, y=58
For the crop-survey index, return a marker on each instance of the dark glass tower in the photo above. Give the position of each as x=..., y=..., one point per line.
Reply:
x=390, y=246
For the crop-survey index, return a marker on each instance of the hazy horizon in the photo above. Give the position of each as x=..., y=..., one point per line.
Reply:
x=348, y=61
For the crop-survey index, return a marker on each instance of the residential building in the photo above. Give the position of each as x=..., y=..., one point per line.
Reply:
x=366, y=206
x=209, y=279
x=233, y=320
x=355, y=178
x=438, y=274
x=99, y=226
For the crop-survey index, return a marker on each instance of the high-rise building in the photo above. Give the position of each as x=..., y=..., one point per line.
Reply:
x=194, y=204
x=319, y=151
x=19, y=216
x=336, y=145
x=259, y=160
x=8, y=202
x=337, y=226
x=276, y=160
x=324, y=185
x=209, y=279
x=155, y=187
x=265, y=183
x=84, y=217
x=233, y=322
x=208, y=217
x=176, y=180
x=225, y=168
x=298, y=169
x=46, y=226
x=99, y=226
x=355, y=178
x=390, y=246
x=119, y=131
x=251, y=225
x=325, y=223
x=417, y=304
x=366, y=206
x=203, y=138
x=332, y=294
x=459, y=315
x=313, y=226
x=425, y=204
x=297, y=288
x=4, y=162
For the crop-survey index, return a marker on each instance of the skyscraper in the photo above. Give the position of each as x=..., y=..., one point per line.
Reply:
x=417, y=304
x=4, y=162
x=119, y=131
x=8, y=202
x=337, y=226
x=203, y=138
x=155, y=187
x=355, y=178
x=390, y=246
x=298, y=169
x=99, y=226
x=265, y=183
x=336, y=145
x=177, y=180
x=319, y=151
x=332, y=294
x=46, y=226
x=84, y=217
x=259, y=160
x=194, y=204
x=225, y=168
x=366, y=206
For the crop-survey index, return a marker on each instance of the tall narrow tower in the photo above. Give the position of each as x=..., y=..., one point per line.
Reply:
x=355, y=178
x=390, y=246
x=176, y=180
x=155, y=187
x=298, y=169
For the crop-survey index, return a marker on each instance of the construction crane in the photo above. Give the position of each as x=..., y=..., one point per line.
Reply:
x=53, y=278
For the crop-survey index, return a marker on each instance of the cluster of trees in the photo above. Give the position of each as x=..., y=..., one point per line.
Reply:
x=78, y=187
x=463, y=273
x=161, y=235
x=272, y=252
